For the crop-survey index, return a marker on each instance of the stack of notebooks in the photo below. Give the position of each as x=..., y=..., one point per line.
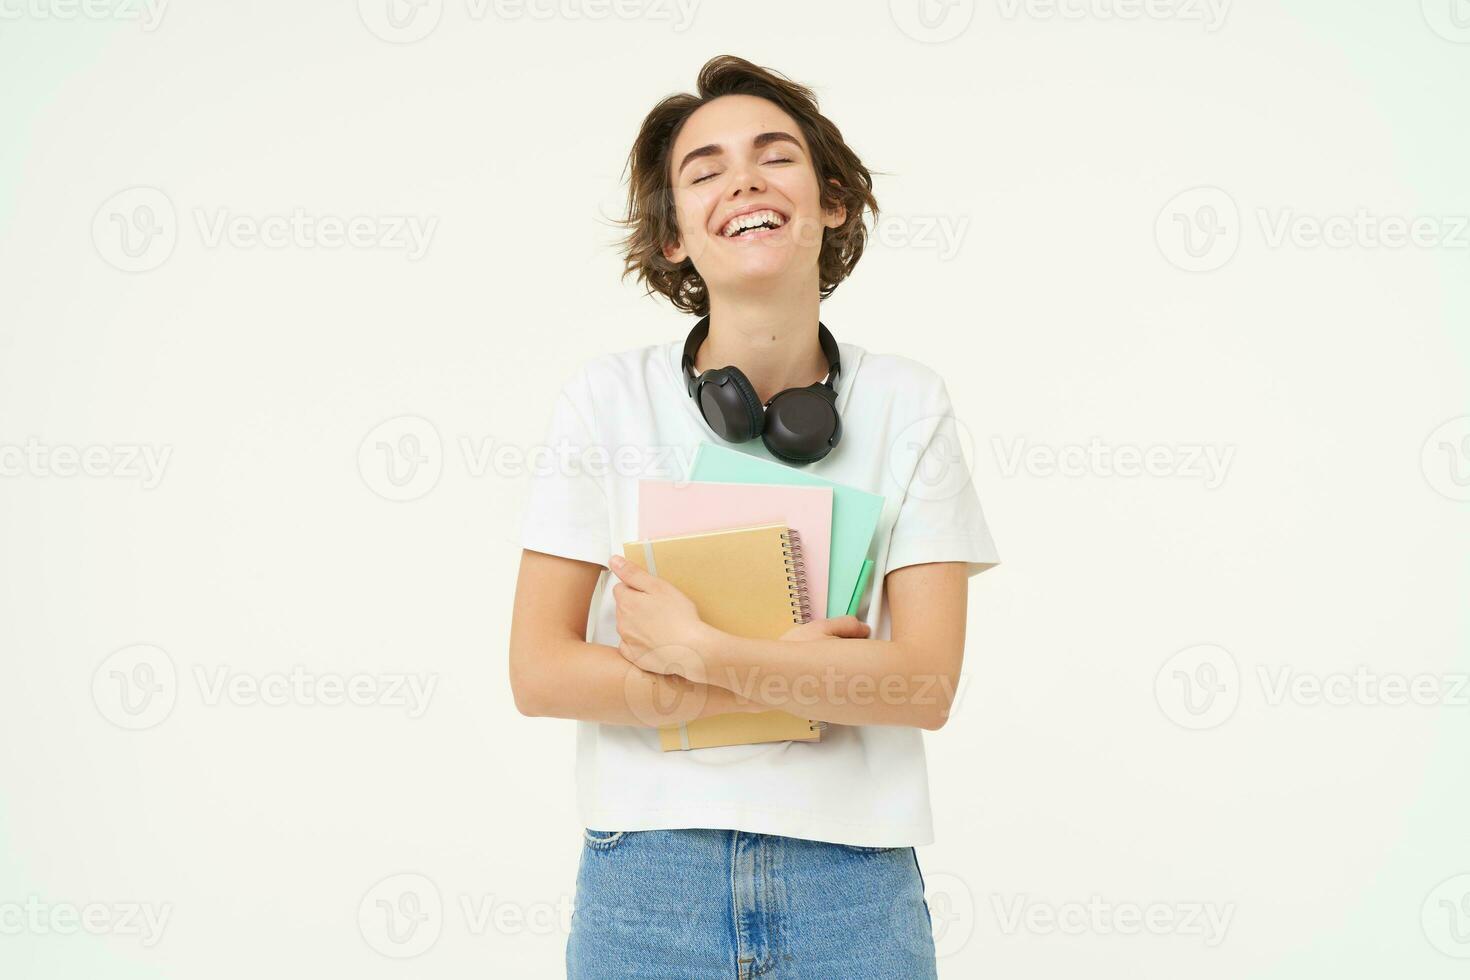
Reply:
x=759, y=548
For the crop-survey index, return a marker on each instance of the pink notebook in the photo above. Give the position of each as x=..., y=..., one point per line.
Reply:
x=667, y=508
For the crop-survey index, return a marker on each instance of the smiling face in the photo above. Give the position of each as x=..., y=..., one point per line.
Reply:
x=746, y=196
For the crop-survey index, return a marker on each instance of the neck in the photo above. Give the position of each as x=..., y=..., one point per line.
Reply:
x=773, y=340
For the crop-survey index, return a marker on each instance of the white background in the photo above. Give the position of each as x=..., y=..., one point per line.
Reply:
x=1039, y=174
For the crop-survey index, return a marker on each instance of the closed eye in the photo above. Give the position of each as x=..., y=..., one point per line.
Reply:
x=700, y=180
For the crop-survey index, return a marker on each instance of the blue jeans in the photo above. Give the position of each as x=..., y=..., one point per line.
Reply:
x=731, y=905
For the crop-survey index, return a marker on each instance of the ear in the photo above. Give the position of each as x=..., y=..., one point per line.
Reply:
x=834, y=217
x=674, y=252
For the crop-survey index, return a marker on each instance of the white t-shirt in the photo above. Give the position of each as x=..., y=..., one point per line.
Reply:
x=627, y=415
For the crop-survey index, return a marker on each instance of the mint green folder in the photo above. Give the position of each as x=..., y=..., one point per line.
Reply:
x=855, y=512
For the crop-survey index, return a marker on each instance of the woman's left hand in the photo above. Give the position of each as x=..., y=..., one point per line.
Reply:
x=658, y=625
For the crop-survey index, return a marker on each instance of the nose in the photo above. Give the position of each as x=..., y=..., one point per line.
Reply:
x=746, y=177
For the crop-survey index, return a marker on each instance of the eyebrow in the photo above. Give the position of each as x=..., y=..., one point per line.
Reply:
x=714, y=149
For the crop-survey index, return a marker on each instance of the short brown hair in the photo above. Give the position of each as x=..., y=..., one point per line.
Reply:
x=651, y=218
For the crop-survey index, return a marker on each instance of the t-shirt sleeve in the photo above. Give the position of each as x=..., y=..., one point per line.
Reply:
x=567, y=510
x=940, y=518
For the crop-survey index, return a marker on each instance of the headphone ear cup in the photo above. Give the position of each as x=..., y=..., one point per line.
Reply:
x=730, y=405
x=802, y=424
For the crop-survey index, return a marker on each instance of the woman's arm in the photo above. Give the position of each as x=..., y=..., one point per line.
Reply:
x=554, y=672
x=908, y=680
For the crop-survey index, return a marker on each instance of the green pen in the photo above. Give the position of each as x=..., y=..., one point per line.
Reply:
x=862, y=584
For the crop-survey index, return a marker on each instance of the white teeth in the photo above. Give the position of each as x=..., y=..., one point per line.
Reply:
x=738, y=224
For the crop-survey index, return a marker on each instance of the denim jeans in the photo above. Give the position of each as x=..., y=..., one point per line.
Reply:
x=731, y=905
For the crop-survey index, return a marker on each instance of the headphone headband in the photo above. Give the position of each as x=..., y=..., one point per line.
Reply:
x=798, y=425
x=700, y=332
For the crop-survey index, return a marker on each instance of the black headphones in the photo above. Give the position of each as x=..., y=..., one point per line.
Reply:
x=798, y=425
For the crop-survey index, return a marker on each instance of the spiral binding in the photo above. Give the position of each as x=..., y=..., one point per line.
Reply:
x=801, y=600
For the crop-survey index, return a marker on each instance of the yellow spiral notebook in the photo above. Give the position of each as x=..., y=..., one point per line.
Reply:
x=750, y=582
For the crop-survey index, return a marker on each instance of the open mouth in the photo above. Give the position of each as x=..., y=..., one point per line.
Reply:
x=753, y=223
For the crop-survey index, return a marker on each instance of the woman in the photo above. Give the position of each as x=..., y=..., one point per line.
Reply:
x=790, y=859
